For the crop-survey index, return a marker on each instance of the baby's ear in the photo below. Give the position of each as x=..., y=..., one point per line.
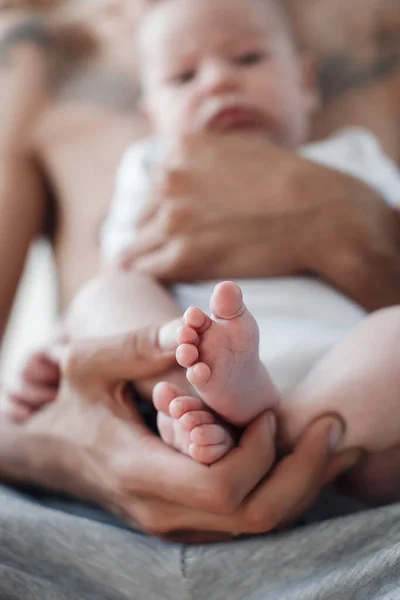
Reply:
x=310, y=81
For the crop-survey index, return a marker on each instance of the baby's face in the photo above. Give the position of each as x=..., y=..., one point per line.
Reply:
x=224, y=65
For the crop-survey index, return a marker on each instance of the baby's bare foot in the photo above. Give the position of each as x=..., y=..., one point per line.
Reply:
x=222, y=358
x=186, y=424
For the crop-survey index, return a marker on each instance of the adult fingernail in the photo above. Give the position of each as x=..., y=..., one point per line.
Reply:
x=336, y=435
x=168, y=335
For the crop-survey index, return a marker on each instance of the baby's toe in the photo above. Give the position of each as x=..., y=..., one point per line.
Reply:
x=197, y=319
x=199, y=375
x=186, y=355
x=184, y=404
x=166, y=429
x=163, y=394
x=207, y=455
x=195, y=418
x=187, y=335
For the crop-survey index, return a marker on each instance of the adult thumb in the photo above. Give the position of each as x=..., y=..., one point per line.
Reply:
x=136, y=355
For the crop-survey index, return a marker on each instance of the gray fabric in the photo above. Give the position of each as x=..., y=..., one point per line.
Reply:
x=46, y=554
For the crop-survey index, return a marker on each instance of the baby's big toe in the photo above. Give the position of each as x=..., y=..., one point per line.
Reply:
x=163, y=394
x=207, y=435
x=207, y=455
x=227, y=301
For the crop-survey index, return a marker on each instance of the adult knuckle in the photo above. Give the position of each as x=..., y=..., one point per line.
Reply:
x=150, y=521
x=261, y=520
x=142, y=343
x=218, y=497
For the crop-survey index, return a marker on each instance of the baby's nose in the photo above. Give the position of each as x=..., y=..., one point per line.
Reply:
x=219, y=77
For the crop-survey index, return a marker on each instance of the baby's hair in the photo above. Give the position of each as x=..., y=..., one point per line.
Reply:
x=280, y=5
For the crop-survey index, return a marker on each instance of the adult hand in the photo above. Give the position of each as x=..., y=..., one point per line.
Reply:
x=92, y=444
x=229, y=207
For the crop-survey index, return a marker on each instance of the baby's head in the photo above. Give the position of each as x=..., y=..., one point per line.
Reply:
x=224, y=65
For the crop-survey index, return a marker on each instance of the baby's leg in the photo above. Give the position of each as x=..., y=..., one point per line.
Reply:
x=121, y=301
x=117, y=302
x=222, y=358
x=360, y=380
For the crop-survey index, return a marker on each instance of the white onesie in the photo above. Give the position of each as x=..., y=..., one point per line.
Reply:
x=300, y=318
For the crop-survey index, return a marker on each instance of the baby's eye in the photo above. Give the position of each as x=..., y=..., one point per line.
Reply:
x=185, y=77
x=250, y=58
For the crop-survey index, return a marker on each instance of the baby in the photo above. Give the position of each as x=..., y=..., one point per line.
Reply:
x=229, y=66
x=232, y=67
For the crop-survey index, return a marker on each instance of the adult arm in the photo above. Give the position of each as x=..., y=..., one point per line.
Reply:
x=22, y=197
x=238, y=210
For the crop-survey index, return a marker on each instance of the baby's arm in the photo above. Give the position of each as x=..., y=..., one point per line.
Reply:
x=360, y=380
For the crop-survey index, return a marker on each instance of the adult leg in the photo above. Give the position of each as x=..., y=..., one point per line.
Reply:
x=352, y=558
x=50, y=555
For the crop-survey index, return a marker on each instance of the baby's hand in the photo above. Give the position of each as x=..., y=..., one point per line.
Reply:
x=35, y=387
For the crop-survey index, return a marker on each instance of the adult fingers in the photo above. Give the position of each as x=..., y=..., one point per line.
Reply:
x=248, y=463
x=218, y=489
x=176, y=260
x=338, y=465
x=148, y=239
x=294, y=478
x=174, y=220
x=141, y=354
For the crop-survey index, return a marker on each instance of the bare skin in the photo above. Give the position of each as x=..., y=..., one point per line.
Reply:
x=58, y=120
x=111, y=462
x=359, y=62
x=68, y=102
x=58, y=105
x=221, y=353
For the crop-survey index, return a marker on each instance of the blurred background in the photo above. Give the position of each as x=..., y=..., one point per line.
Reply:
x=357, y=47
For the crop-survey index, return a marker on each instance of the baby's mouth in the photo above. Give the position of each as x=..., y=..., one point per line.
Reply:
x=234, y=118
